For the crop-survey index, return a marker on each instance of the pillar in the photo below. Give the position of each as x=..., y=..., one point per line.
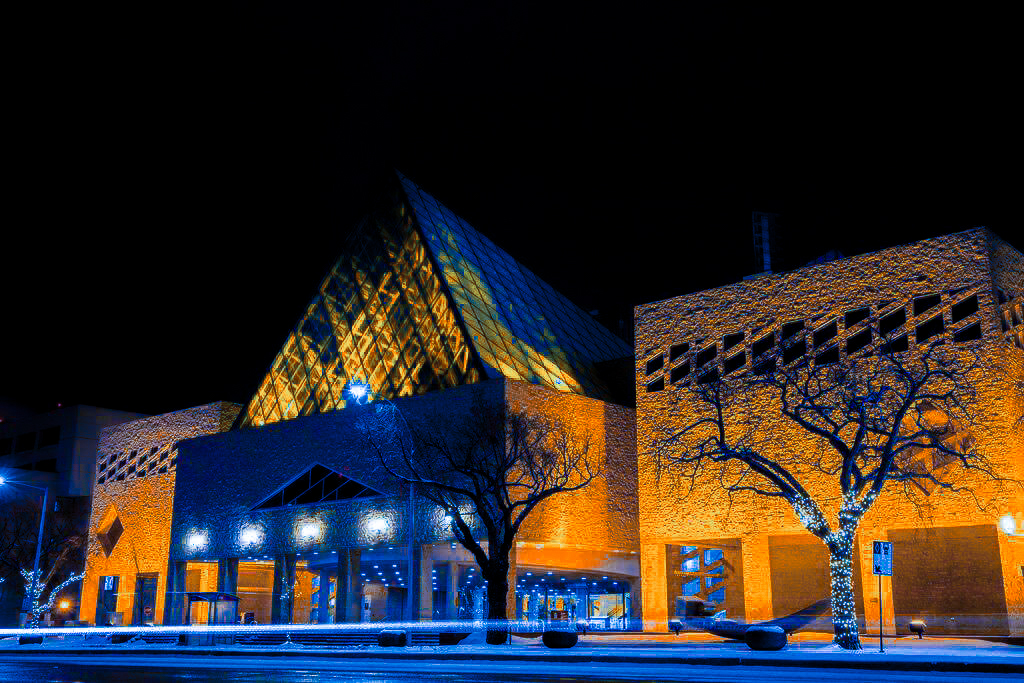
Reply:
x=347, y=599
x=453, y=590
x=174, y=603
x=426, y=601
x=654, y=587
x=325, y=615
x=227, y=576
x=510, y=596
x=864, y=571
x=284, y=588
x=757, y=577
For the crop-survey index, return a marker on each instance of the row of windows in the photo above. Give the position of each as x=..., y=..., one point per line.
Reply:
x=122, y=465
x=30, y=441
x=825, y=343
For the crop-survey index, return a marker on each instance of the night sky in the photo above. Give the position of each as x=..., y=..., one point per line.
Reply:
x=184, y=176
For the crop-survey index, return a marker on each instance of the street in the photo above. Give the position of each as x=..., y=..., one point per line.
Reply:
x=55, y=668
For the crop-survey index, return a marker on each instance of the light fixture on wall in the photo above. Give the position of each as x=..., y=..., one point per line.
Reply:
x=309, y=531
x=196, y=541
x=1008, y=525
x=251, y=536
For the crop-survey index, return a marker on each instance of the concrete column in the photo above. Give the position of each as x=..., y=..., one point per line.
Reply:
x=347, y=608
x=426, y=601
x=174, y=603
x=324, y=613
x=227, y=575
x=757, y=578
x=510, y=597
x=864, y=571
x=1011, y=557
x=453, y=590
x=284, y=582
x=654, y=587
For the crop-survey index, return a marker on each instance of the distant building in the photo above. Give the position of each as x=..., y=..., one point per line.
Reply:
x=57, y=450
x=953, y=567
x=768, y=251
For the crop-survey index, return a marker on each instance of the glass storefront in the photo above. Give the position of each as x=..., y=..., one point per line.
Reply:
x=604, y=602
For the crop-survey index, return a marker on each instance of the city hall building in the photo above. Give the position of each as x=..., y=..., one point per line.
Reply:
x=283, y=503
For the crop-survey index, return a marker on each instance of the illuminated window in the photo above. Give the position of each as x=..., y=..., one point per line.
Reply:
x=317, y=485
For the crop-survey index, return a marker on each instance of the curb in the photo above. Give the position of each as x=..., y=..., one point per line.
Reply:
x=921, y=665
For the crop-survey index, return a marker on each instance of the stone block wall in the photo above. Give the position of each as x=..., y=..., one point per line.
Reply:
x=963, y=278
x=134, y=490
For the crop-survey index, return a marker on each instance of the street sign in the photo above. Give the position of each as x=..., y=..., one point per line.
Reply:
x=882, y=558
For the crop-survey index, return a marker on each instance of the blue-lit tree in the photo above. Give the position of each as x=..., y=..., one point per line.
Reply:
x=488, y=471
x=892, y=423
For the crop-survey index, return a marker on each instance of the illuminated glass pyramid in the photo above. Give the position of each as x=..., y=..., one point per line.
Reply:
x=421, y=301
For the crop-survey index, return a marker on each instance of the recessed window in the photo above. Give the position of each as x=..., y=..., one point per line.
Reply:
x=708, y=377
x=969, y=333
x=656, y=385
x=24, y=442
x=897, y=345
x=677, y=350
x=679, y=372
x=762, y=345
x=705, y=356
x=735, y=362
x=732, y=340
x=765, y=366
x=793, y=352
x=894, y=321
x=828, y=356
x=930, y=328
x=108, y=539
x=855, y=316
x=924, y=303
x=655, y=364
x=825, y=334
x=963, y=309
x=858, y=341
x=790, y=329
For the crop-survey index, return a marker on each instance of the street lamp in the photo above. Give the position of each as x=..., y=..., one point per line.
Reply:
x=39, y=540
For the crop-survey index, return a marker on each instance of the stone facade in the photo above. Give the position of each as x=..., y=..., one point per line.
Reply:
x=965, y=289
x=133, y=494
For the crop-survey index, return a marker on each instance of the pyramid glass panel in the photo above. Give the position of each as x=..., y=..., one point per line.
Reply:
x=418, y=301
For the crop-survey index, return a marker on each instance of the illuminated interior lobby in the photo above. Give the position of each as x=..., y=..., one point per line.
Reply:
x=281, y=502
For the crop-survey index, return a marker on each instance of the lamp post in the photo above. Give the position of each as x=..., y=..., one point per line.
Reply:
x=39, y=541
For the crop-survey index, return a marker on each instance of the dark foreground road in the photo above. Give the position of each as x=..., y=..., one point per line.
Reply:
x=246, y=670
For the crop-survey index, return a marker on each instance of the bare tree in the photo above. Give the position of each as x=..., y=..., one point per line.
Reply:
x=63, y=540
x=828, y=439
x=488, y=471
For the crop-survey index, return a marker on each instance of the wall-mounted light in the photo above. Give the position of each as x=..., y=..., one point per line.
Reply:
x=196, y=541
x=309, y=531
x=377, y=527
x=1008, y=525
x=251, y=536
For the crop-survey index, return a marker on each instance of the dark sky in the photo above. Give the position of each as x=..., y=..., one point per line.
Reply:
x=185, y=175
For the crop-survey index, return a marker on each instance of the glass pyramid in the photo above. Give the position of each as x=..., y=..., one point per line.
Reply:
x=419, y=301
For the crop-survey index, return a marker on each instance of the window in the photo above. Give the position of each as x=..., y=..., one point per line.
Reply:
x=858, y=341
x=930, y=328
x=966, y=334
x=924, y=303
x=762, y=345
x=655, y=364
x=735, y=362
x=316, y=485
x=895, y=346
x=24, y=442
x=676, y=351
x=656, y=385
x=108, y=539
x=705, y=357
x=825, y=334
x=963, y=309
x=790, y=329
x=894, y=321
x=732, y=340
x=855, y=316
x=679, y=372
x=828, y=356
x=793, y=352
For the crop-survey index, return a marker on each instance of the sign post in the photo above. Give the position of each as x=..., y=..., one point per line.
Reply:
x=881, y=562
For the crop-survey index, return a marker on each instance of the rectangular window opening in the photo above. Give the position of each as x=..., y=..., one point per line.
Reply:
x=735, y=362
x=827, y=357
x=858, y=341
x=762, y=345
x=825, y=334
x=656, y=385
x=764, y=367
x=966, y=334
x=924, y=303
x=793, y=352
x=705, y=356
x=855, y=316
x=929, y=329
x=655, y=364
x=732, y=340
x=679, y=372
x=677, y=350
x=790, y=329
x=898, y=345
x=961, y=310
x=892, y=322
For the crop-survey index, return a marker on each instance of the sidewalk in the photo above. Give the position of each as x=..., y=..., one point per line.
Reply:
x=804, y=650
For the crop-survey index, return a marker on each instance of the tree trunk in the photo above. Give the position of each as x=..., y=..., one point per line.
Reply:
x=497, y=596
x=844, y=608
